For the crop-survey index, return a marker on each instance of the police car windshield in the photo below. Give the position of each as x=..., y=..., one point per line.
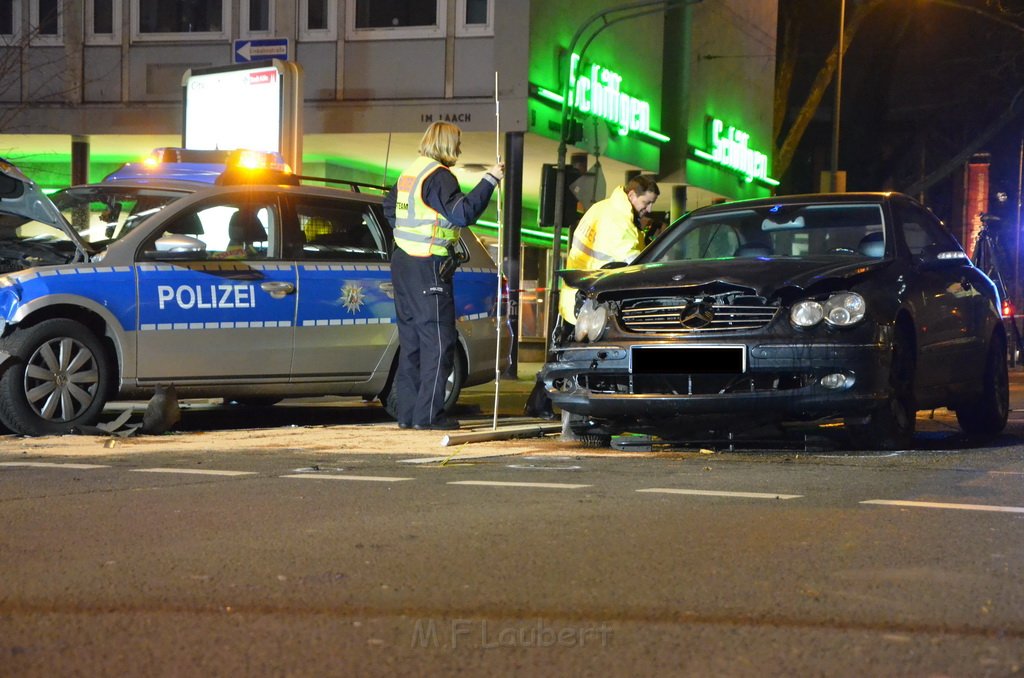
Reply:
x=101, y=214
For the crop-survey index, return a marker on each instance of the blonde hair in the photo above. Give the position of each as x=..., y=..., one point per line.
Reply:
x=441, y=142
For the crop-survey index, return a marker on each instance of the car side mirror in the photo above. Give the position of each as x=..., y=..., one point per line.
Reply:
x=931, y=259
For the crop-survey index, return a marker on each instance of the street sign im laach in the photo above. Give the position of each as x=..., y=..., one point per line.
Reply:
x=260, y=50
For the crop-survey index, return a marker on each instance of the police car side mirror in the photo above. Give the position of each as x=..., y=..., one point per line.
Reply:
x=177, y=247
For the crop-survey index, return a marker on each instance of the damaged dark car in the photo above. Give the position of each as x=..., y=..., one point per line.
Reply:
x=846, y=312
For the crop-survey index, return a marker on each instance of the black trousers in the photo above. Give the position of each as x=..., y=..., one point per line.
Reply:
x=426, y=336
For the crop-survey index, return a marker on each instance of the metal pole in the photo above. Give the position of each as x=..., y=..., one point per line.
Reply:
x=497, y=324
x=1016, y=259
x=839, y=97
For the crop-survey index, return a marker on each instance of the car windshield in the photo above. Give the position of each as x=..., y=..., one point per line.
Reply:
x=801, y=231
x=101, y=214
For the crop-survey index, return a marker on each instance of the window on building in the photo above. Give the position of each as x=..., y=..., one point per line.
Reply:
x=394, y=19
x=475, y=17
x=9, y=18
x=103, y=21
x=180, y=19
x=46, y=21
x=256, y=16
x=318, y=19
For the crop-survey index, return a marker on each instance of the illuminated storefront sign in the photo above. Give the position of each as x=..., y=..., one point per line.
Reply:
x=730, y=148
x=597, y=91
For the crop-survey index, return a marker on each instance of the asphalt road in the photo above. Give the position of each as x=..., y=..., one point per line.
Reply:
x=767, y=562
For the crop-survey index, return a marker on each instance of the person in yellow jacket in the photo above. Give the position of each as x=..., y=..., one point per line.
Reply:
x=609, y=231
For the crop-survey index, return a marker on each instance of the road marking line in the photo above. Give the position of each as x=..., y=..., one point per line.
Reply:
x=195, y=471
x=717, y=493
x=454, y=457
x=47, y=464
x=933, y=504
x=498, y=483
x=331, y=476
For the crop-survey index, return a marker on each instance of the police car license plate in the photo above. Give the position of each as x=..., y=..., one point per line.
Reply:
x=688, y=359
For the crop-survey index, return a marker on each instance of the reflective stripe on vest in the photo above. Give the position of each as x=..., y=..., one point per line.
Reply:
x=420, y=230
x=594, y=255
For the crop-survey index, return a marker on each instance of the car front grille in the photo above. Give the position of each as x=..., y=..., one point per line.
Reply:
x=675, y=316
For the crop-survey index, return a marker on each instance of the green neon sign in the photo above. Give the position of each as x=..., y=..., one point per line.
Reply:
x=730, y=148
x=597, y=91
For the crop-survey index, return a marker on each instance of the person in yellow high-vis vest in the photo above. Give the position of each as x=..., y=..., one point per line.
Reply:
x=428, y=210
x=608, y=231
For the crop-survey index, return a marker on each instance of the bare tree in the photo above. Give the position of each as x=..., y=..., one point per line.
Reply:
x=37, y=69
x=788, y=138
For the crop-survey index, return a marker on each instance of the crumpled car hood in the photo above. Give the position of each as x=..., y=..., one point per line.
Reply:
x=764, y=276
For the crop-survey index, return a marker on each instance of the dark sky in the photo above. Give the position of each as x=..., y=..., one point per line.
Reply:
x=921, y=82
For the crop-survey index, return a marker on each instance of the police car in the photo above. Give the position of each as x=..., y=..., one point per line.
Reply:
x=219, y=283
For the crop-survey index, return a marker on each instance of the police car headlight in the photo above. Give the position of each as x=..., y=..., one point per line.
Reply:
x=806, y=313
x=844, y=309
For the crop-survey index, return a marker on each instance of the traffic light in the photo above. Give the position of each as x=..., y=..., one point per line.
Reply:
x=549, y=177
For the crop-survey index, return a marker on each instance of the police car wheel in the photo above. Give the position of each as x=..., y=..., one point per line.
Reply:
x=389, y=398
x=61, y=378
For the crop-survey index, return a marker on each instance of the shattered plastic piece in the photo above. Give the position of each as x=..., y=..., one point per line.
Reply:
x=121, y=420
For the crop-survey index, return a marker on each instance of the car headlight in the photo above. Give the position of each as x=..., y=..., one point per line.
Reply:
x=597, y=321
x=806, y=313
x=591, y=321
x=842, y=309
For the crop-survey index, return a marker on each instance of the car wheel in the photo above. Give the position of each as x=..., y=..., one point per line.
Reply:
x=891, y=426
x=389, y=398
x=986, y=415
x=61, y=379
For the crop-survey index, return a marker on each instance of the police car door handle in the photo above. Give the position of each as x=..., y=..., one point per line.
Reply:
x=277, y=288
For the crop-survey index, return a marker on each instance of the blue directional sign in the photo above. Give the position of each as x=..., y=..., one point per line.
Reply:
x=260, y=50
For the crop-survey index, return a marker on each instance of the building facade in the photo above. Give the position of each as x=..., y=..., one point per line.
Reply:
x=681, y=90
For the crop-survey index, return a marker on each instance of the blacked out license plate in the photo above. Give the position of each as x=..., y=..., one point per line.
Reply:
x=688, y=359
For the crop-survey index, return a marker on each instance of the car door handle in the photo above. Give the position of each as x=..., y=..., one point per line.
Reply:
x=277, y=288
x=387, y=288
